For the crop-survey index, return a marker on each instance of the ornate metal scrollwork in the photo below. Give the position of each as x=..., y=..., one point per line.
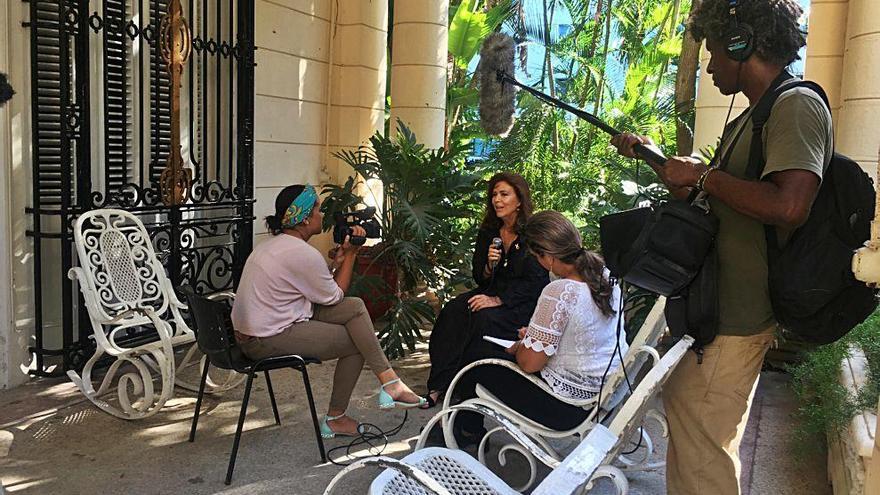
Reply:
x=176, y=45
x=111, y=79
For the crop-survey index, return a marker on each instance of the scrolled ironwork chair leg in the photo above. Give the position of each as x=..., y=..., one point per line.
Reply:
x=241, y=416
x=195, y=421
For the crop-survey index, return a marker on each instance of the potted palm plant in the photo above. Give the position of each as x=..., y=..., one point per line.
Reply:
x=426, y=205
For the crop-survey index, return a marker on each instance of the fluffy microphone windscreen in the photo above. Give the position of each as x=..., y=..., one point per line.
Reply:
x=497, y=99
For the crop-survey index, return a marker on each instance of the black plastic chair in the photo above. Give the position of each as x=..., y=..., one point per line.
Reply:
x=216, y=340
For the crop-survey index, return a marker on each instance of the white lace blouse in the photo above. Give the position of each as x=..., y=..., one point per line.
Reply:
x=568, y=326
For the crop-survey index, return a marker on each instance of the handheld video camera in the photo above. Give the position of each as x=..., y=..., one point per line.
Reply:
x=363, y=218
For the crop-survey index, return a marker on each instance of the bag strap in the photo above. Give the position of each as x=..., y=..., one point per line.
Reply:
x=781, y=84
x=721, y=157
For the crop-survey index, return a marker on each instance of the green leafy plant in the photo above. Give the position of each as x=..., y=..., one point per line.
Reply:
x=426, y=200
x=825, y=405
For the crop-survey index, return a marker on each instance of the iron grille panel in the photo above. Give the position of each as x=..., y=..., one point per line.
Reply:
x=101, y=135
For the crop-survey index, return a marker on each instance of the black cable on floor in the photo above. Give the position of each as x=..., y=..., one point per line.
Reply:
x=371, y=435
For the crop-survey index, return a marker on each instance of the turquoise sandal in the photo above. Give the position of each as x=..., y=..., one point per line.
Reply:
x=327, y=432
x=387, y=402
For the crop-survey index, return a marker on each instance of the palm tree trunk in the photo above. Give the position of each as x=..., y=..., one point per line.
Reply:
x=601, y=87
x=671, y=17
x=594, y=43
x=686, y=90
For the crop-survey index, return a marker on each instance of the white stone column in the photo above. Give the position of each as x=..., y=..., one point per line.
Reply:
x=825, y=48
x=858, y=135
x=358, y=71
x=16, y=298
x=418, y=68
x=6, y=304
x=711, y=107
x=357, y=75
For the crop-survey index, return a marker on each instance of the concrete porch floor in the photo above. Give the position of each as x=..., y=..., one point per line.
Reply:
x=54, y=442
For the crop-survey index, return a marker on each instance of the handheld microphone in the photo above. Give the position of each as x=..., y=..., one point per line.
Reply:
x=498, y=95
x=497, y=244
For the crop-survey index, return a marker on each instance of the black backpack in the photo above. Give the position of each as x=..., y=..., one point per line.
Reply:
x=813, y=291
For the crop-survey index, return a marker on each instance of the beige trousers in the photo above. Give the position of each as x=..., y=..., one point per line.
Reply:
x=707, y=406
x=343, y=331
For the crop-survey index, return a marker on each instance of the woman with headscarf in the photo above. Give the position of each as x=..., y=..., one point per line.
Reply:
x=288, y=302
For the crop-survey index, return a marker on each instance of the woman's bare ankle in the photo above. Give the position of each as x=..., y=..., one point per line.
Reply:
x=343, y=424
x=386, y=376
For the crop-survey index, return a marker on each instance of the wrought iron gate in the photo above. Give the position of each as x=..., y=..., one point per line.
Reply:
x=102, y=133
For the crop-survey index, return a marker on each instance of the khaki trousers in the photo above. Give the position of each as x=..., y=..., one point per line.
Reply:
x=707, y=406
x=343, y=331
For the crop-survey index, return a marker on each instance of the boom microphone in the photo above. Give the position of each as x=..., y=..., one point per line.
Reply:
x=498, y=92
x=497, y=100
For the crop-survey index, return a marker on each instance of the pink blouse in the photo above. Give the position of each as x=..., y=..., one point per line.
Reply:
x=283, y=277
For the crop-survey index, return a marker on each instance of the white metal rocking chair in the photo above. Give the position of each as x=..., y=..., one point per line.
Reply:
x=125, y=286
x=615, y=388
x=446, y=471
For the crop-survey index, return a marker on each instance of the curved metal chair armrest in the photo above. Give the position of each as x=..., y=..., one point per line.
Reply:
x=503, y=421
x=79, y=275
x=448, y=396
x=584, y=403
x=223, y=295
x=410, y=471
x=650, y=351
x=491, y=361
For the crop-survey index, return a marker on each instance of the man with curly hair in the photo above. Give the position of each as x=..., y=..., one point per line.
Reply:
x=751, y=43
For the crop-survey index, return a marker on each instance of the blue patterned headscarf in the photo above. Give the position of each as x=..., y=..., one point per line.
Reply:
x=300, y=208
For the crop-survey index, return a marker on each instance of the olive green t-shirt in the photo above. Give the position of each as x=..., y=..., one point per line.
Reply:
x=797, y=135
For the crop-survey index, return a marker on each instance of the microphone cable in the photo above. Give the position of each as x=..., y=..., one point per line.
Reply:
x=368, y=434
x=619, y=353
x=616, y=350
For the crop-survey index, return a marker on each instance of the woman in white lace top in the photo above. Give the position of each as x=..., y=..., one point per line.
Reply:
x=572, y=338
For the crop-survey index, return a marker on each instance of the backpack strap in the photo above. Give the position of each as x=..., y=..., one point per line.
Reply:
x=760, y=115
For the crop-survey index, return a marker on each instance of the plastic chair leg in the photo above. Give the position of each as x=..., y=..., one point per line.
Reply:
x=305, y=375
x=272, y=398
x=195, y=421
x=241, y=416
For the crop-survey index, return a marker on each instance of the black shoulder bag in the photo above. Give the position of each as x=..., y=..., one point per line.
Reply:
x=669, y=249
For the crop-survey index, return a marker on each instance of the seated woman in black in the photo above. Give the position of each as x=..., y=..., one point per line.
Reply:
x=509, y=281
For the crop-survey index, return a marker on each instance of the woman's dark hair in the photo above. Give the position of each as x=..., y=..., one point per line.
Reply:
x=776, y=33
x=550, y=233
x=282, y=202
x=521, y=187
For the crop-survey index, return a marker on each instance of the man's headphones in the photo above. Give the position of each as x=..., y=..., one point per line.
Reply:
x=739, y=41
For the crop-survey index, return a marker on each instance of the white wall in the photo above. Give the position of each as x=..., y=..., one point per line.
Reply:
x=320, y=87
x=290, y=106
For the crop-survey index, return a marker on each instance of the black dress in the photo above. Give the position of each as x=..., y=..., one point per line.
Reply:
x=457, y=337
